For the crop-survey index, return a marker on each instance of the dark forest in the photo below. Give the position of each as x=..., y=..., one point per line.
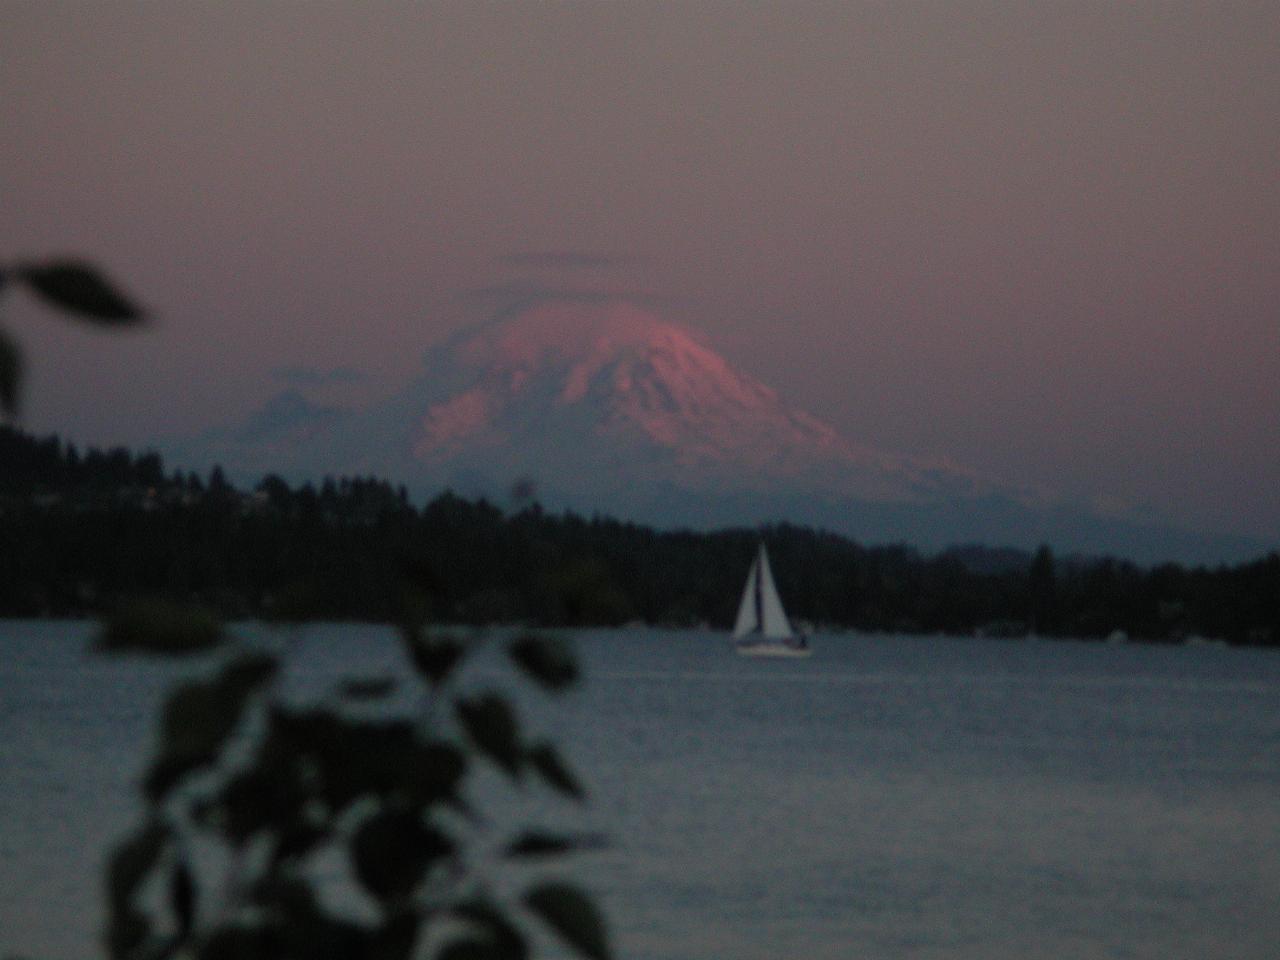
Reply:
x=81, y=532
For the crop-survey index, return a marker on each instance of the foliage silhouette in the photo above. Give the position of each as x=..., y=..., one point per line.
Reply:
x=79, y=288
x=276, y=787
x=271, y=786
x=72, y=287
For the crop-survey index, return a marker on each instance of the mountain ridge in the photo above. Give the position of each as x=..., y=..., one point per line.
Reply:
x=642, y=389
x=602, y=406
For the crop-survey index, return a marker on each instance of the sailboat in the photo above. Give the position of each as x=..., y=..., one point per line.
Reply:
x=762, y=628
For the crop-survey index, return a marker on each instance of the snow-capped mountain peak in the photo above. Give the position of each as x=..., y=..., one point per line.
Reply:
x=614, y=375
x=607, y=407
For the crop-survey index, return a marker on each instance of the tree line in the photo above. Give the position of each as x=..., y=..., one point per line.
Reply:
x=81, y=531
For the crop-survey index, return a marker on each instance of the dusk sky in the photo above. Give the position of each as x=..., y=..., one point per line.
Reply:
x=1041, y=240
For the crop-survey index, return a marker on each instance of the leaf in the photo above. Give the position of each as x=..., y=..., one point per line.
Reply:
x=434, y=659
x=132, y=860
x=236, y=943
x=198, y=718
x=265, y=797
x=127, y=930
x=434, y=774
x=182, y=898
x=502, y=938
x=552, y=768
x=360, y=758
x=573, y=916
x=396, y=938
x=393, y=850
x=538, y=844
x=79, y=288
x=284, y=894
x=10, y=375
x=547, y=660
x=491, y=725
x=240, y=808
x=471, y=948
x=247, y=672
x=161, y=627
x=298, y=840
x=298, y=925
x=372, y=688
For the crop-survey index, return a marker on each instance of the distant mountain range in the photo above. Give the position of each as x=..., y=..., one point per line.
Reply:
x=604, y=407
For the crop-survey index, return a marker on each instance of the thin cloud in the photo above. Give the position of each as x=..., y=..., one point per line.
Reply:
x=303, y=376
x=564, y=260
x=534, y=291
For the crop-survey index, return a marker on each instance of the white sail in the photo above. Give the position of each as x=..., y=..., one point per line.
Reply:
x=773, y=619
x=748, y=612
x=762, y=628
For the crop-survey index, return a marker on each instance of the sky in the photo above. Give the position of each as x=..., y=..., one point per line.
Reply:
x=1040, y=240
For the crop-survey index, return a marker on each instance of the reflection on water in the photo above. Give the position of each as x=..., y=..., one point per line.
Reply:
x=887, y=798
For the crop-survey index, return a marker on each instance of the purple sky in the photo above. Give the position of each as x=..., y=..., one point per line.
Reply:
x=1040, y=239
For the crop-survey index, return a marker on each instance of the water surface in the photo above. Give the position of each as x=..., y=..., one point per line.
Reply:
x=889, y=797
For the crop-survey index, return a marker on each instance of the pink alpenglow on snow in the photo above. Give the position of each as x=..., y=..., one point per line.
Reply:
x=630, y=379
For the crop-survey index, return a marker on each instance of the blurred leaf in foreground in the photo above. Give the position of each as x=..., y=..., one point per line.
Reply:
x=368, y=688
x=572, y=915
x=10, y=374
x=536, y=843
x=132, y=860
x=551, y=767
x=79, y=288
x=435, y=658
x=546, y=660
x=199, y=717
x=493, y=935
x=283, y=786
x=491, y=725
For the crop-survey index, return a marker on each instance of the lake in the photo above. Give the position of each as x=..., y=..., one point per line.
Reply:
x=890, y=797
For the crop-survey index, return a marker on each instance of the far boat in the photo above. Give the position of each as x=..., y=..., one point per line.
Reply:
x=762, y=628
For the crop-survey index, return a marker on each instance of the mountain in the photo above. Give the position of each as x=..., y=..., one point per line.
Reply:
x=597, y=397
x=603, y=406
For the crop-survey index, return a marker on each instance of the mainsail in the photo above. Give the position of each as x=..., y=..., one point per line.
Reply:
x=760, y=612
x=749, y=609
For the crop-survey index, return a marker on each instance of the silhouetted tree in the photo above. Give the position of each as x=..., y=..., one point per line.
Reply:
x=1042, y=586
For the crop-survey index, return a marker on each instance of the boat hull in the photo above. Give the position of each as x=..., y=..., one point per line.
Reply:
x=771, y=650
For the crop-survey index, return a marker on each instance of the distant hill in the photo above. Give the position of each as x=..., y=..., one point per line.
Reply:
x=977, y=558
x=81, y=532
